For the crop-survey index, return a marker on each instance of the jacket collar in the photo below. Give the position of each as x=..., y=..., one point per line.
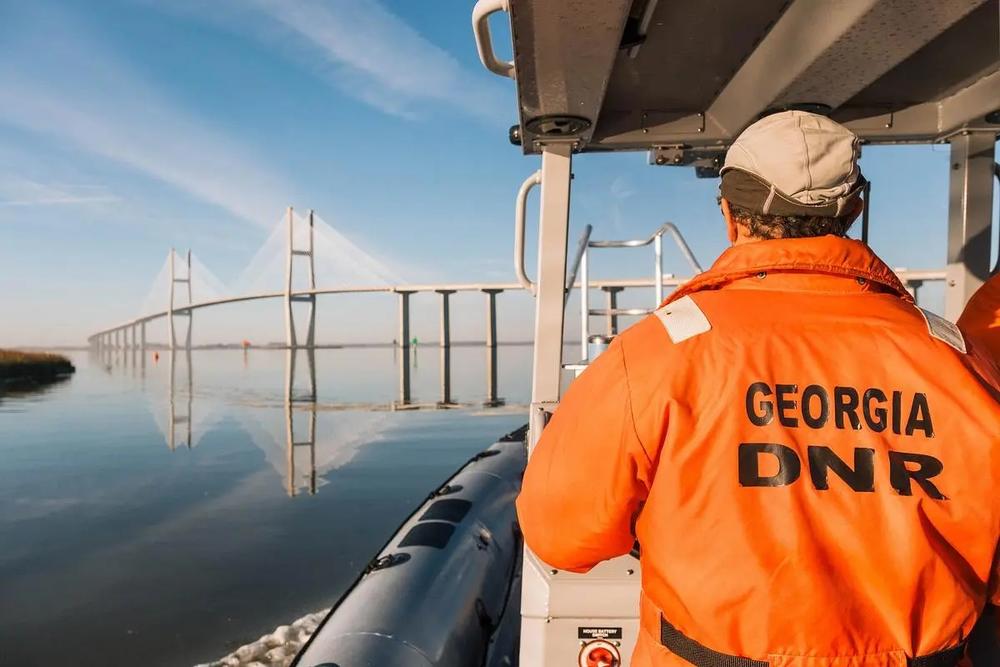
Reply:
x=826, y=255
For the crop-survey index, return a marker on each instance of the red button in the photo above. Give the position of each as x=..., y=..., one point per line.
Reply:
x=601, y=657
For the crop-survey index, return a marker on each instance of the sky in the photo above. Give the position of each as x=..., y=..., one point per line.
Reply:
x=128, y=127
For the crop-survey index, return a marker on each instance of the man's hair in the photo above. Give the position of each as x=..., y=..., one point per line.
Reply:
x=766, y=226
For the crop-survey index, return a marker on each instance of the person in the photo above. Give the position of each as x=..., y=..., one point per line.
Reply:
x=808, y=461
x=981, y=318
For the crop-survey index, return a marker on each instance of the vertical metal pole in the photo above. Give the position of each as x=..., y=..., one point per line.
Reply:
x=551, y=282
x=290, y=338
x=970, y=213
x=546, y=377
x=404, y=347
x=311, y=332
x=658, y=268
x=171, y=338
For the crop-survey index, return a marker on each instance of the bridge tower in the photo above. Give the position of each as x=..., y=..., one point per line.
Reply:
x=174, y=280
x=291, y=336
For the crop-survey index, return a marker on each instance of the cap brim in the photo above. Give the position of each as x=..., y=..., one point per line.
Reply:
x=750, y=191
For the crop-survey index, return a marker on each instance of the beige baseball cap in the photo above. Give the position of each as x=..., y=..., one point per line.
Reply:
x=794, y=163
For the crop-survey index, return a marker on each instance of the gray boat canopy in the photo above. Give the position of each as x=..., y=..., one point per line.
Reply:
x=684, y=78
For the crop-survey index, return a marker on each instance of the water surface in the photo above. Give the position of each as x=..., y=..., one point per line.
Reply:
x=152, y=512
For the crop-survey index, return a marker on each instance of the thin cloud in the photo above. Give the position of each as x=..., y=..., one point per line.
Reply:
x=76, y=93
x=621, y=188
x=20, y=192
x=367, y=52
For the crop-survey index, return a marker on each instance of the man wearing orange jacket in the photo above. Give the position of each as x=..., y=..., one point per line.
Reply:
x=810, y=462
x=981, y=318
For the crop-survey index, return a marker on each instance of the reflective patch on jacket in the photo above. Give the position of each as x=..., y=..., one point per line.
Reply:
x=943, y=330
x=683, y=319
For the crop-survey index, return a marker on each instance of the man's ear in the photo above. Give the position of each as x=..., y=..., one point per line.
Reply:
x=859, y=207
x=732, y=231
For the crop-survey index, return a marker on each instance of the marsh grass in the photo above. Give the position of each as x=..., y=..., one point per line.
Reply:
x=17, y=366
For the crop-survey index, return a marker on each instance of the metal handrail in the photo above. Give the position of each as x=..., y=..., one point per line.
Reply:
x=520, y=206
x=484, y=43
x=581, y=251
x=638, y=243
x=656, y=238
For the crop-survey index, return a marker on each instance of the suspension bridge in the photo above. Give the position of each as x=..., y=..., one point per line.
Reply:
x=299, y=260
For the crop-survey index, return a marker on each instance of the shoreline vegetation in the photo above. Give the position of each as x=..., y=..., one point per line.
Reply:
x=32, y=368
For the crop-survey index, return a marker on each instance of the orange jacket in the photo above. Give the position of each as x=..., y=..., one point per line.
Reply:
x=816, y=468
x=981, y=319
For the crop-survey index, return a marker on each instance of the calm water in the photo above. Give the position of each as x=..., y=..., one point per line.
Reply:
x=120, y=544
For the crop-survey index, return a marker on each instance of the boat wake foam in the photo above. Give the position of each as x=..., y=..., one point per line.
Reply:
x=276, y=649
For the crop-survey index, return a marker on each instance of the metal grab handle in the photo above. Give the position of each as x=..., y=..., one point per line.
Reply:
x=682, y=244
x=665, y=227
x=519, y=214
x=484, y=44
x=685, y=250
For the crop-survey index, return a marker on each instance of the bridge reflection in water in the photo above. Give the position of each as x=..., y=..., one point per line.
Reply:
x=190, y=413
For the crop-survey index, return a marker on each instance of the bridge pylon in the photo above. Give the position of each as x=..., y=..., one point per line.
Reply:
x=174, y=281
x=291, y=335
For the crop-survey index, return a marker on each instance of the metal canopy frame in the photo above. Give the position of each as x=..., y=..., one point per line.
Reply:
x=644, y=74
x=682, y=80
